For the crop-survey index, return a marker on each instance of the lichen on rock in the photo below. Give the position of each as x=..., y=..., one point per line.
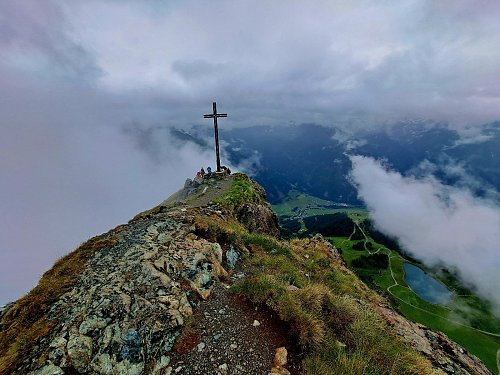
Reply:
x=137, y=288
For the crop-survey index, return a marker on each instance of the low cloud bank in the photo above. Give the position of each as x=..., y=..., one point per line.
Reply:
x=436, y=223
x=68, y=171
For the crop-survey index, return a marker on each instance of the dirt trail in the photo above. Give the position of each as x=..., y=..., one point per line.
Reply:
x=225, y=339
x=222, y=337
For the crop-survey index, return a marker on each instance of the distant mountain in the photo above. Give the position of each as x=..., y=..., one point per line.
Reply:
x=314, y=159
x=482, y=159
x=304, y=157
x=407, y=145
x=183, y=136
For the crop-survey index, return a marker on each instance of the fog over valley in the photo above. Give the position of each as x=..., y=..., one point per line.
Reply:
x=391, y=106
x=436, y=223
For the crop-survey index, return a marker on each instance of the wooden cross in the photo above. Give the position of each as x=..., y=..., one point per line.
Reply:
x=215, y=116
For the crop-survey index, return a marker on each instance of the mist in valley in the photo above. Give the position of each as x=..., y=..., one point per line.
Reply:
x=90, y=90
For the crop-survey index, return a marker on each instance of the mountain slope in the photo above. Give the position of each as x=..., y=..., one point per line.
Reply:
x=195, y=286
x=313, y=159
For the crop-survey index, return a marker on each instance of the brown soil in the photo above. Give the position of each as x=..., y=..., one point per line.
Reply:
x=222, y=331
x=224, y=326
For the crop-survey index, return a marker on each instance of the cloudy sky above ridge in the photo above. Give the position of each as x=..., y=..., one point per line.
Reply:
x=299, y=61
x=305, y=61
x=74, y=74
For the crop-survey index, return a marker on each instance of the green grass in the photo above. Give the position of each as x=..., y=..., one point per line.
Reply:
x=304, y=285
x=276, y=265
x=483, y=346
x=267, y=243
x=241, y=191
x=298, y=201
x=438, y=318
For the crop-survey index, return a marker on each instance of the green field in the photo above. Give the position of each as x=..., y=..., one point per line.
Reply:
x=467, y=319
x=450, y=319
x=297, y=202
x=298, y=205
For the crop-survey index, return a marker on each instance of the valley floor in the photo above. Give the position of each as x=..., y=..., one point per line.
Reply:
x=467, y=319
x=450, y=319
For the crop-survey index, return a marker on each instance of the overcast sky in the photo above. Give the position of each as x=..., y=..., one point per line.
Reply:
x=74, y=74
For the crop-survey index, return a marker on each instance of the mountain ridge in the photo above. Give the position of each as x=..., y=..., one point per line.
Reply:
x=278, y=156
x=148, y=295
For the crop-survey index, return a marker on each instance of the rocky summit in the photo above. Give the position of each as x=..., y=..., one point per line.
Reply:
x=202, y=284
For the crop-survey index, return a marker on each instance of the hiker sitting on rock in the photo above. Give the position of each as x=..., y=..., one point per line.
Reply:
x=209, y=172
x=225, y=170
x=202, y=172
x=199, y=177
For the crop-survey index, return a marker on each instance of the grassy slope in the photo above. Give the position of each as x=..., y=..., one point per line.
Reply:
x=241, y=191
x=324, y=304
x=437, y=317
x=302, y=284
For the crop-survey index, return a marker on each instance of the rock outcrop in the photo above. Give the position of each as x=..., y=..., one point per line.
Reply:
x=446, y=355
x=141, y=284
x=124, y=314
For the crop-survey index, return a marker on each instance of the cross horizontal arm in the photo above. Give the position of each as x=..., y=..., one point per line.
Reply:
x=217, y=115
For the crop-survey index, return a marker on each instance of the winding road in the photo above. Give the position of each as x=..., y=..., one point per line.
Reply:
x=390, y=255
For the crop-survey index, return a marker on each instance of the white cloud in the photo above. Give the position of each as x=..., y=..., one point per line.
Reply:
x=67, y=170
x=72, y=74
x=309, y=61
x=435, y=223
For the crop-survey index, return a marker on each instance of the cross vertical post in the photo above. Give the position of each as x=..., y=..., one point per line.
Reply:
x=216, y=115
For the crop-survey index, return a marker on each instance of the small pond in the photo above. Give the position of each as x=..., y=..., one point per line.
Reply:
x=425, y=286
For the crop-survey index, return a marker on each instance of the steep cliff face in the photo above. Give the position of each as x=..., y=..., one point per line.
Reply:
x=201, y=284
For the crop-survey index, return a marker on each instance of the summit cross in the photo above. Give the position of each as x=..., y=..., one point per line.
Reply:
x=215, y=116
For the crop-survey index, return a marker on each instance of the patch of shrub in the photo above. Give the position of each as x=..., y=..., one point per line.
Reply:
x=360, y=245
x=331, y=225
x=380, y=237
x=358, y=235
x=289, y=227
x=380, y=261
